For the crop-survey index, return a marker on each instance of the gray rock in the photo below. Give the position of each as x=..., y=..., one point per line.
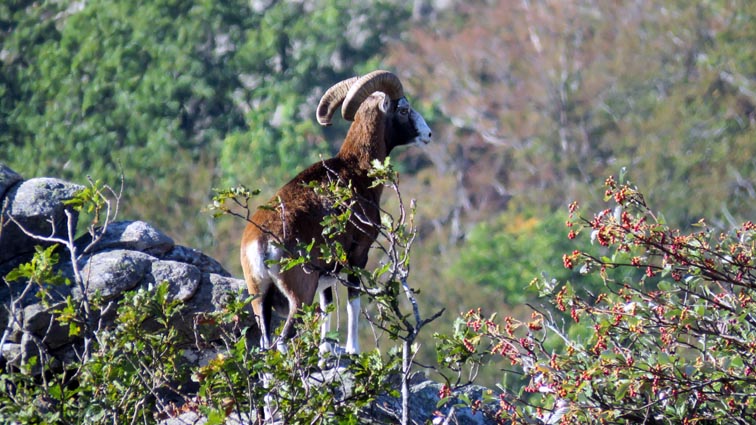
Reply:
x=134, y=235
x=37, y=204
x=8, y=178
x=222, y=287
x=24, y=295
x=5, y=299
x=424, y=398
x=39, y=321
x=112, y=272
x=212, y=295
x=183, y=279
x=339, y=375
x=29, y=349
x=11, y=352
x=196, y=258
x=214, y=292
x=38, y=197
x=36, y=317
x=185, y=418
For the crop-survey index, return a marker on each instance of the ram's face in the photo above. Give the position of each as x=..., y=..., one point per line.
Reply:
x=410, y=127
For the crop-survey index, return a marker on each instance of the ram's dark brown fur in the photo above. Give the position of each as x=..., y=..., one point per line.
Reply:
x=294, y=215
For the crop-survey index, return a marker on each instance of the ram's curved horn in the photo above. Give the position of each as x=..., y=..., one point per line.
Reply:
x=332, y=99
x=382, y=81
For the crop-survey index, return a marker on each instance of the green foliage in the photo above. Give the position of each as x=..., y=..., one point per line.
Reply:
x=513, y=250
x=131, y=370
x=301, y=387
x=119, y=84
x=223, y=92
x=89, y=199
x=97, y=204
x=40, y=270
x=230, y=200
x=124, y=375
x=672, y=343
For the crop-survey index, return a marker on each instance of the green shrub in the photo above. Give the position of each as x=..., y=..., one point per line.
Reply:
x=669, y=339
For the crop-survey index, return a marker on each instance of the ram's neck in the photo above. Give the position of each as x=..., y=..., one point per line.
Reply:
x=364, y=143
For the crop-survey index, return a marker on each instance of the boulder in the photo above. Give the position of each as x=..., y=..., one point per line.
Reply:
x=38, y=206
x=196, y=258
x=212, y=295
x=215, y=291
x=131, y=235
x=110, y=273
x=183, y=279
x=39, y=320
x=127, y=256
x=8, y=178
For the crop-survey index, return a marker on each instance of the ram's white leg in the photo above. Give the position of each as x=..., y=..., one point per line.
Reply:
x=260, y=276
x=326, y=291
x=326, y=326
x=353, y=316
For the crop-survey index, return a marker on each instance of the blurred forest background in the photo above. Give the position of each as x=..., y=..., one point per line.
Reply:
x=533, y=103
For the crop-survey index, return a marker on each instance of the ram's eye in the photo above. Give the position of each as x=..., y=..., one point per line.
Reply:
x=403, y=111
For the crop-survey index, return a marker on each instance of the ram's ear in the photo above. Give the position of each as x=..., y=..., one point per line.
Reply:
x=385, y=104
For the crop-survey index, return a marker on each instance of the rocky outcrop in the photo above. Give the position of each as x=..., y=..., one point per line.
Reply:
x=127, y=255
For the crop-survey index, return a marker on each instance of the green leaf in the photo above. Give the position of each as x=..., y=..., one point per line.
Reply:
x=464, y=399
x=622, y=388
x=665, y=285
x=443, y=401
x=215, y=417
